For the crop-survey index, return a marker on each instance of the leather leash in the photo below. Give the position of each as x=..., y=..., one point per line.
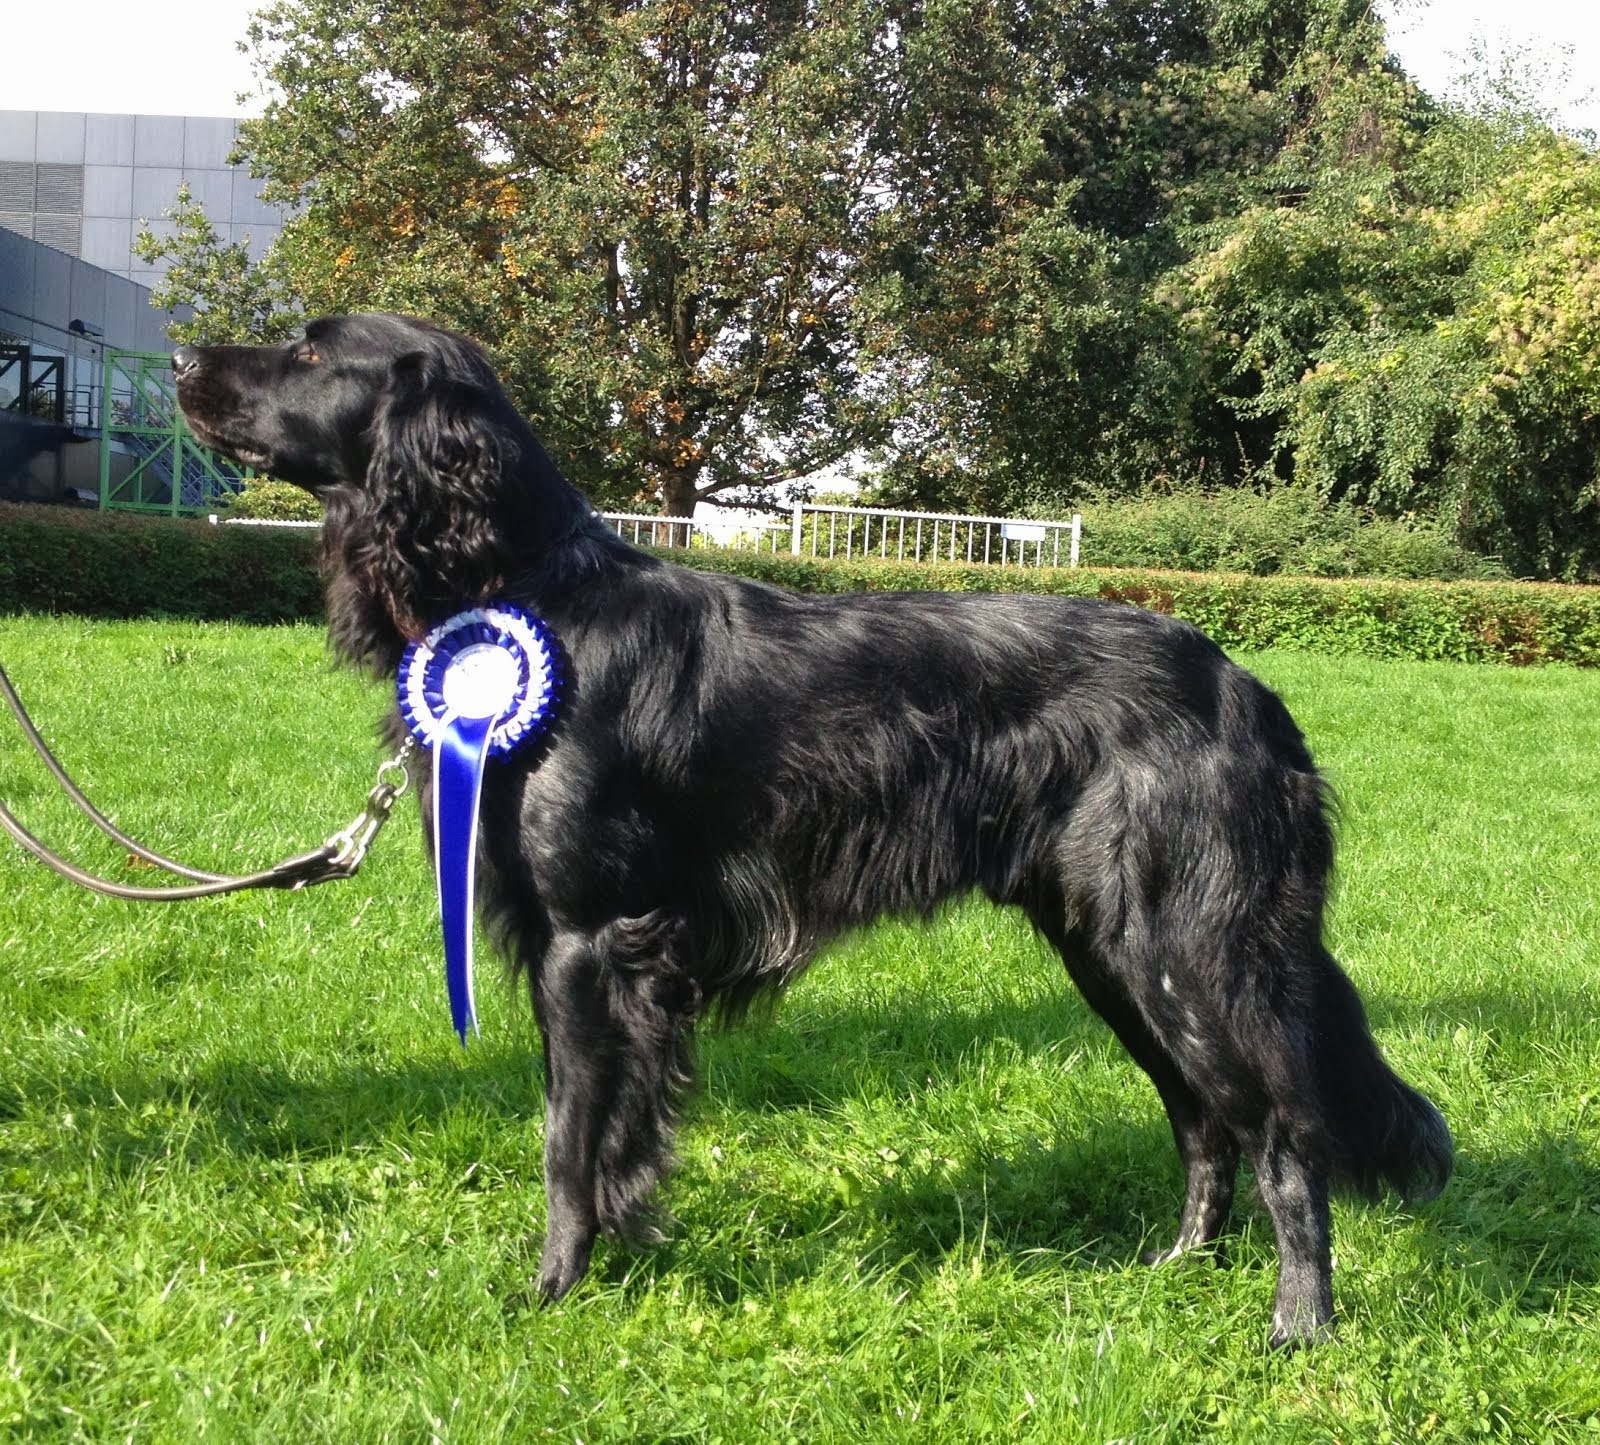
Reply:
x=339, y=857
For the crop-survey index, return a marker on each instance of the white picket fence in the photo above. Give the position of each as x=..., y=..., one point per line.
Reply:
x=815, y=530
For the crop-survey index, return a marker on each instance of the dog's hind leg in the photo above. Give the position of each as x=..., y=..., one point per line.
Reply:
x=1210, y=1157
x=1260, y=1084
x=615, y=1012
x=1338, y=1111
x=1294, y=1187
x=1208, y=1149
x=1286, y=1148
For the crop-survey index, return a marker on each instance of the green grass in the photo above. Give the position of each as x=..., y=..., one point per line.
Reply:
x=250, y=1187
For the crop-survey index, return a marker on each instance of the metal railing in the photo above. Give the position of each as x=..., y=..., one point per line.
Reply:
x=818, y=530
x=646, y=530
x=171, y=471
x=36, y=381
x=815, y=530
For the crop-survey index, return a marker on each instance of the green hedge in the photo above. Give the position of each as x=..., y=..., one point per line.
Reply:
x=1506, y=622
x=119, y=564
x=114, y=565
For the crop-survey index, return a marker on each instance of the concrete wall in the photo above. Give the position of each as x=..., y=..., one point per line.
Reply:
x=43, y=290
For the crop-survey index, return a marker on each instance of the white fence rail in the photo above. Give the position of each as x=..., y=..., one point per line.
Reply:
x=814, y=530
x=651, y=529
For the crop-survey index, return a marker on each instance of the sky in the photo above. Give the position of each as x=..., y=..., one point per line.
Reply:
x=1556, y=42
x=114, y=56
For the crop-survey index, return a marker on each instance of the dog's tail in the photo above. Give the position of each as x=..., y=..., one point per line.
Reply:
x=1384, y=1133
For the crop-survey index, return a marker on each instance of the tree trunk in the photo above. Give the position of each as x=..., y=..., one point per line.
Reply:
x=677, y=495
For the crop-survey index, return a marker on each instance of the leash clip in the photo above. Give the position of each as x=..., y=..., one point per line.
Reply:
x=348, y=847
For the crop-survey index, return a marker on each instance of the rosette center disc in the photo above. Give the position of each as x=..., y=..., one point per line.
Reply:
x=481, y=681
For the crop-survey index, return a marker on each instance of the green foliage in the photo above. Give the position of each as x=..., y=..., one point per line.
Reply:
x=1289, y=529
x=1322, y=276
x=1420, y=336
x=110, y=564
x=1010, y=253
x=720, y=247
x=1050, y=350
x=237, y=300
x=656, y=215
x=267, y=499
x=252, y=1189
x=115, y=565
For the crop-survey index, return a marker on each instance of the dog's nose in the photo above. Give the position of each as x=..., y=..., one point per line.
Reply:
x=184, y=360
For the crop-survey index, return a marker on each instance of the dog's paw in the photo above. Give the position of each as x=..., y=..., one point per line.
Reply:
x=1209, y=1249
x=564, y=1263
x=1300, y=1332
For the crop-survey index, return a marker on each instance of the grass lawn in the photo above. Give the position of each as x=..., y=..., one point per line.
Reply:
x=251, y=1188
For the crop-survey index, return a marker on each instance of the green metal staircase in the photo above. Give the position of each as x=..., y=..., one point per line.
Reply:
x=171, y=471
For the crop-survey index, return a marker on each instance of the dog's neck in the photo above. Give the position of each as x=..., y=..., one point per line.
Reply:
x=390, y=580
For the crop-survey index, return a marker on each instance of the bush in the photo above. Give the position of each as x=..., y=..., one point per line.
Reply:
x=1469, y=621
x=1290, y=530
x=119, y=564
x=267, y=499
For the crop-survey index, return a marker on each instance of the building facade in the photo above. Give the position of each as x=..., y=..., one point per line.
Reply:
x=87, y=184
x=58, y=316
x=75, y=190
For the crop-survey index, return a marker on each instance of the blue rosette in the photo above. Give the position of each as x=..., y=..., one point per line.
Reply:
x=481, y=684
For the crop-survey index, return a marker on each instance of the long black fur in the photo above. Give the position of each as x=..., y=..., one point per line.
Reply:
x=739, y=773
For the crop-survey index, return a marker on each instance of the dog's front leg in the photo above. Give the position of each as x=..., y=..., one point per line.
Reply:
x=616, y=1010
x=571, y=1013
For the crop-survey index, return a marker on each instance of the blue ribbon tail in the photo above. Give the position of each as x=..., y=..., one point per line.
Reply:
x=458, y=758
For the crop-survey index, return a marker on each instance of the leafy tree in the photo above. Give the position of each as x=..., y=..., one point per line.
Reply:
x=238, y=300
x=720, y=247
x=1418, y=333
x=1017, y=253
x=1481, y=407
x=1045, y=327
x=658, y=215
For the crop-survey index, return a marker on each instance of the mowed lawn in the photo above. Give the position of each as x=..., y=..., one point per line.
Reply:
x=251, y=1188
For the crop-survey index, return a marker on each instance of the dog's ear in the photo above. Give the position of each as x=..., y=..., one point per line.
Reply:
x=434, y=493
x=433, y=431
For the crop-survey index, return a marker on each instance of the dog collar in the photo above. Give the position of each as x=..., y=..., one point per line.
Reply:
x=483, y=682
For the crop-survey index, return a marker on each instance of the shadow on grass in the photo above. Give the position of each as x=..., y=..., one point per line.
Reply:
x=813, y=1055
x=1521, y=1225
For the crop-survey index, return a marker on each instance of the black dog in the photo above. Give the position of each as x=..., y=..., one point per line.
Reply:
x=739, y=773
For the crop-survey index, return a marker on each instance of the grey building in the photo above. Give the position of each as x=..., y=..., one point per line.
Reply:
x=75, y=189
x=84, y=183
x=58, y=317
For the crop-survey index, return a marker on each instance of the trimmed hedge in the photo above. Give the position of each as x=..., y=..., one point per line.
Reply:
x=1504, y=622
x=119, y=565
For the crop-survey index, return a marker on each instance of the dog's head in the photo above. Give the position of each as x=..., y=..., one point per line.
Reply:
x=436, y=491
x=321, y=409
